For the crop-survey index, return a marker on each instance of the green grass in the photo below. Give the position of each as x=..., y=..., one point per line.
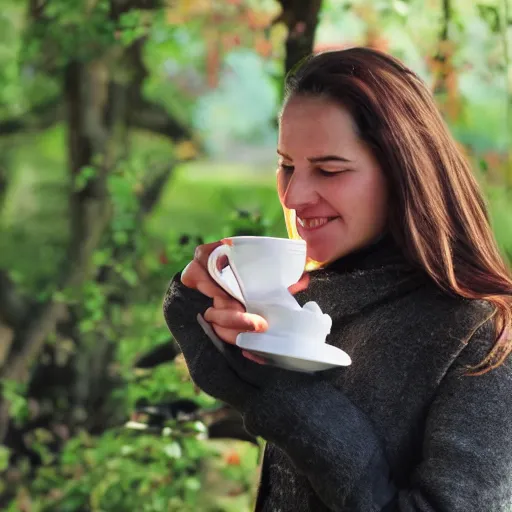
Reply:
x=201, y=198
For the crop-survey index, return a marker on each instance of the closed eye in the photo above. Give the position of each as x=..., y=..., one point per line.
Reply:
x=330, y=173
x=287, y=168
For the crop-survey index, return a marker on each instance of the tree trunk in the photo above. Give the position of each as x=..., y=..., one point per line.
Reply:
x=97, y=110
x=440, y=85
x=86, y=97
x=301, y=18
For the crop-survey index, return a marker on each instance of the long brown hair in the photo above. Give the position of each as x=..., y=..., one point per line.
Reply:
x=437, y=212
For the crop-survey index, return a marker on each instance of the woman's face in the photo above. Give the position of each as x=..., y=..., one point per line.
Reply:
x=330, y=178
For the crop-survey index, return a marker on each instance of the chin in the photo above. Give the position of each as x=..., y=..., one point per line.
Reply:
x=326, y=253
x=323, y=254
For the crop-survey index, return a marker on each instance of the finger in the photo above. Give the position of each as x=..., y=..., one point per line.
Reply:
x=226, y=335
x=195, y=276
x=254, y=357
x=300, y=285
x=228, y=303
x=202, y=253
x=218, y=335
x=236, y=320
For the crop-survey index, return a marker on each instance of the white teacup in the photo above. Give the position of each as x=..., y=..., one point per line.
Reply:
x=262, y=266
x=307, y=324
x=260, y=271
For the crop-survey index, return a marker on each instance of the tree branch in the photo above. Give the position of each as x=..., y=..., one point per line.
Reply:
x=153, y=190
x=144, y=114
x=153, y=118
x=13, y=307
x=119, y=7
x=40, y=117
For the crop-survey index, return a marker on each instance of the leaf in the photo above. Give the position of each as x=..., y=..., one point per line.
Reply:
x=4, y=457
x=127, y=449
x=130, y=276
x=86, y=325
x=400, y=7
x=173, y=450
x=199, y=426
x=192, y=484
x=83, y=177
x=120, y=237
x=102, y=257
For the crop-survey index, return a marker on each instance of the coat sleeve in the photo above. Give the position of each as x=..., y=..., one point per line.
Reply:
x=208, y=367
x=467, y=453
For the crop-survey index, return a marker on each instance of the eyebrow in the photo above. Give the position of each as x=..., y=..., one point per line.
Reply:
x=318, y=159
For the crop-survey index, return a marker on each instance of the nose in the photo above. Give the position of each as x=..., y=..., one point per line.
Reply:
x=299, y=192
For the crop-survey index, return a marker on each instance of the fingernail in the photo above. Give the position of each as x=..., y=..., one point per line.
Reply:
x=186, y=268
x=259, y=327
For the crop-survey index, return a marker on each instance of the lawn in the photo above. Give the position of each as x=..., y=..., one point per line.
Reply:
x=201, y=198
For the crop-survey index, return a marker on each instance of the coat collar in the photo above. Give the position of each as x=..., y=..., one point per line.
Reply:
x=364, y=278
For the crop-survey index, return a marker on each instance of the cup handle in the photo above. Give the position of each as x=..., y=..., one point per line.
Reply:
x=223, y=250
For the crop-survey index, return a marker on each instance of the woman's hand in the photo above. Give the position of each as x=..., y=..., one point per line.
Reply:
x=228, y=317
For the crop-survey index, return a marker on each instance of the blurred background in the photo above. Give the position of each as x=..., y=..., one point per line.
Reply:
x=131, y=131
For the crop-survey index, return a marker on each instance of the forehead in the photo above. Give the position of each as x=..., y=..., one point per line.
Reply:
x=315, y=124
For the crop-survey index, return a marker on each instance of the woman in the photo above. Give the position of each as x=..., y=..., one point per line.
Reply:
x=406, y=265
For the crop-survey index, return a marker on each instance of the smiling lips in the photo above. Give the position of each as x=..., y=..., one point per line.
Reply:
x=314, y=222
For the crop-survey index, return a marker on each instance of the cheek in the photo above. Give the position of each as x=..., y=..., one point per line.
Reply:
x=374, y=202
x=378, y=191
x=360, y=197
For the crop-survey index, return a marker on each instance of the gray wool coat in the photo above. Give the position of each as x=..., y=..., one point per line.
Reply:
x=402, y=428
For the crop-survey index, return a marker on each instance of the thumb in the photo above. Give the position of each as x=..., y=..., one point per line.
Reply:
x=300, y=285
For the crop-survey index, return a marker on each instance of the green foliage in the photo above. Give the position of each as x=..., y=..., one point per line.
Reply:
x=15, y=395
x=76, y=32
x=4, y=458
x=500, y=205
x=122, y=470
x=90, y=458
x=125, y=469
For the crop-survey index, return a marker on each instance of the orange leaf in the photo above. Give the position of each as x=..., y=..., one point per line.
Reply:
x=232, y=458
x=263, y=46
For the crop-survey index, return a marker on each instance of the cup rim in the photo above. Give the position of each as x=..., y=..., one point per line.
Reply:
x=250, y=238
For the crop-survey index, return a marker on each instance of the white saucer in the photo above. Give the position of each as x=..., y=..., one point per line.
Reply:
x=292, y=355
